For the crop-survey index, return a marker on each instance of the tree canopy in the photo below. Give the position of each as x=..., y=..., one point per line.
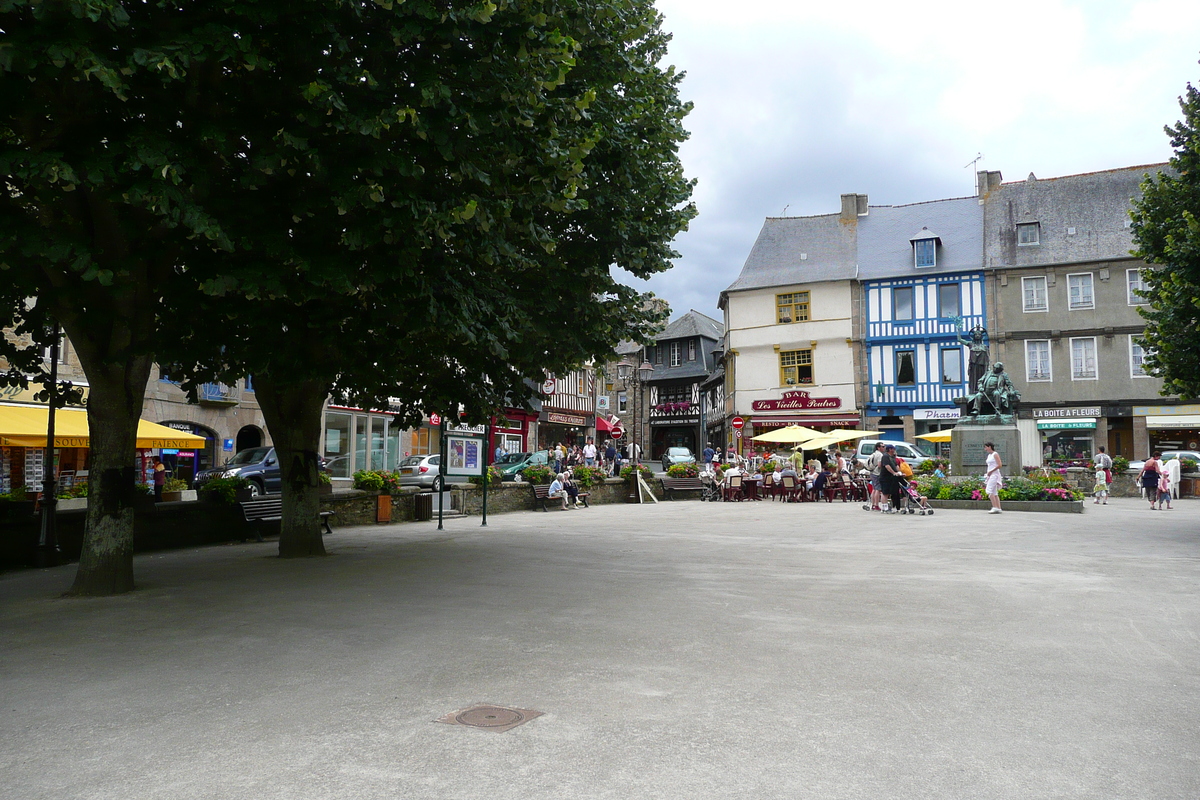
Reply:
x=1166, y=233
x=418, y=201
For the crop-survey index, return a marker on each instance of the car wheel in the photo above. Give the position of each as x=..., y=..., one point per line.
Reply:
x=256, y=489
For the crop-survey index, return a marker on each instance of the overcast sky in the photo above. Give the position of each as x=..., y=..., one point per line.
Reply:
x=798, y=102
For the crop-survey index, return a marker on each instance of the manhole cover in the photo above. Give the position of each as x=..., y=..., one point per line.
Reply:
x=491, y=718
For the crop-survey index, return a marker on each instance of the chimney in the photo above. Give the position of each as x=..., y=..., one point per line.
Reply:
x=988, y=180
x=853, y=207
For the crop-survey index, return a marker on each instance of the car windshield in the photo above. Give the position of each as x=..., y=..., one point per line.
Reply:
x=512, y=458
x=679, y=451
x=250, y=456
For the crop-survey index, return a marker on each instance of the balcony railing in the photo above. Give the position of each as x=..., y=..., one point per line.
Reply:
x=218, y=394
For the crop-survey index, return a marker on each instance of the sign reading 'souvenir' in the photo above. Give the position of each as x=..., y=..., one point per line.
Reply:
x=794, y=401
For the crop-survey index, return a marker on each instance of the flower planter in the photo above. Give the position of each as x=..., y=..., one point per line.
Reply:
x=72, y=504
x=1045, y=506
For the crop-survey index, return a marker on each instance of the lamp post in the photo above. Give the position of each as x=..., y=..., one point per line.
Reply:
x=627, y=373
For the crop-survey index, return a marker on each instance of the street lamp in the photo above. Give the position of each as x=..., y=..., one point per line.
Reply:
x=626, y=372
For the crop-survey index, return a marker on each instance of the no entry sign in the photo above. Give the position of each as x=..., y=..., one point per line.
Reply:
x=738, y=423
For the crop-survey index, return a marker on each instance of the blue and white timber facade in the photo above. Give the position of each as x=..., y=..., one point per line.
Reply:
x=922, y=278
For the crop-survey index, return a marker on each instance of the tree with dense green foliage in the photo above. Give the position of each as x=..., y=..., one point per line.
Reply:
x=1166, y=233
x=409, y=204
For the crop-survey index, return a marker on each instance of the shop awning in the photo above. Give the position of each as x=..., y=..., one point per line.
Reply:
x=25, y=426
x=1187, y=421
x=1065, y=423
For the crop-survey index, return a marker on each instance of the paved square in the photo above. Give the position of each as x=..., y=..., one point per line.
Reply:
x=684, y=650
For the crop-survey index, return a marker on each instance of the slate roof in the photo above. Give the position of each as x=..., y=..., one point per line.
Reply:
x=693, y=323
x=792, y=250
x=1080, y=217
x=885, y=234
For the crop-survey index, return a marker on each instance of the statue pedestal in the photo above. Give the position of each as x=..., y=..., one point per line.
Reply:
x=968, y=455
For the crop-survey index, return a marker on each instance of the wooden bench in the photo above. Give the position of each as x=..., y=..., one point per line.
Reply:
x=541, y=494
x=269, y=508
x=681, y=485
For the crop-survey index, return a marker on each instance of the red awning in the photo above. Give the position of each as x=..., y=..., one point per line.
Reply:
x=842, y=420
x=602, y=425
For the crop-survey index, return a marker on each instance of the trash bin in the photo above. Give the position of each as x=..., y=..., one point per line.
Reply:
x=423, y=506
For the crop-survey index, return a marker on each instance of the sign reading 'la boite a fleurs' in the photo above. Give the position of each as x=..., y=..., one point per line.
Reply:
x=796, y=401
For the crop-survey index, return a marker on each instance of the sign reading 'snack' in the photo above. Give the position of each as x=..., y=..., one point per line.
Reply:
x=796, y=401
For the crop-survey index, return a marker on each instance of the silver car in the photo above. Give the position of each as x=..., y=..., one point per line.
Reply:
x=419, y=470
x=677, y=455
x=1189, y=460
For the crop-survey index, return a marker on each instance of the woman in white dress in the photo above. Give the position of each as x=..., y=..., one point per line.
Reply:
x=1174, y=472
x=993, y=480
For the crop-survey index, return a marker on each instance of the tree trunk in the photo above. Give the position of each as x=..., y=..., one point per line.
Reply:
x=115, y=399
x=293, y=415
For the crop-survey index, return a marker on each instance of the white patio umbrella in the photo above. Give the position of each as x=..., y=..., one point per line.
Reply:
x=792, y=433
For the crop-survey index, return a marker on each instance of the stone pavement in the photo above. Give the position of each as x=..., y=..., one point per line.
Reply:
x=684, y=650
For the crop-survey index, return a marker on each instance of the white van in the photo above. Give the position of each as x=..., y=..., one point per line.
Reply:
x=906, y=450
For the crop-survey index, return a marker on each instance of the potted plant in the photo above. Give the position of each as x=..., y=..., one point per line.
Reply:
x=538, y=474
x=324, y=483
x=173, y=490
x=225, y=491
x=494, y=478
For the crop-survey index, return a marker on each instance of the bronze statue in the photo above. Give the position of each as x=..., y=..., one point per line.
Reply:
x=978, y=364
x=994, y=392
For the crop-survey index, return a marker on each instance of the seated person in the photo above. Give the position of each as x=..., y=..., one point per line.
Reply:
x=558, y=490
x=821, y=479
x=732, y=471
x=572, y=489
x=789, y=470
x=777, y=473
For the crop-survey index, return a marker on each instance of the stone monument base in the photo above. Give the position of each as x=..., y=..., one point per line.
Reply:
x=968, y=455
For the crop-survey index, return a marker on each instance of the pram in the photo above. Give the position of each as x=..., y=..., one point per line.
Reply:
x=913, y=498
x=711, y=491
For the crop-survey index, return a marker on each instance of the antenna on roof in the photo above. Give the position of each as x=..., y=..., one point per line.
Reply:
x=785, y=208
x=974, y=162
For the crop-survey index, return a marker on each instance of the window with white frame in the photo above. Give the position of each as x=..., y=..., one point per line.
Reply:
x=622, y=403
x=902, y=304
x=1079, y=292
x=948, y=300
x=906, y=368
x=1137, y=359
x=1037, y=360
x=925, y=252
x=1029, y=233
x=1083, y=359
x=691, y=349
x=1135, y=284
x=1034, y=292
x=676, y=354
x=952, y=365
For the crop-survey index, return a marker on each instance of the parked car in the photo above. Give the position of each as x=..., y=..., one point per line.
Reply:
x=419, y=470
x=1189, y=460
x=677, y=455
x=510, y=464
x=906, y=450
x=259, y=465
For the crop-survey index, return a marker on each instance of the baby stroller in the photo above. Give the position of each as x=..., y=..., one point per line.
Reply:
x=711, y=491
x=914, y=501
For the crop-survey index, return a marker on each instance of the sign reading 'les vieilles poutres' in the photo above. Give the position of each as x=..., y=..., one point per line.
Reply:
x=795, y=401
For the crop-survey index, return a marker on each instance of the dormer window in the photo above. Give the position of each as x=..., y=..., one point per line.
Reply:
x=925, y=245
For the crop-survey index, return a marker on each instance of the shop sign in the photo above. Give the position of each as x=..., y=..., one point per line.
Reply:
x=435, y=419
x=602, y=403
x=548, y=386
x=675, y=421
x=936, y=413
x=186, y=427
x=1052, y=413
x=227, y=445
x=480, y=430
x=186, y=453
x=1165, y=411
x=1067, y=424
x=565, y=419
x=796, y=400
x=15, y=394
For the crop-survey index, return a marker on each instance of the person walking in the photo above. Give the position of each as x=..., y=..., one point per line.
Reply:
x=993, y=480
x=708, y=457
x=1149, y=477
x=873, y=470
x=1100, y=490
x=890, y=485
x=589, y=453
x=610, y=459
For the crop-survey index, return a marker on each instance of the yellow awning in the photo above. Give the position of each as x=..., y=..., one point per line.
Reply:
x=25, y=426
x=792, y=433
x=936, y=436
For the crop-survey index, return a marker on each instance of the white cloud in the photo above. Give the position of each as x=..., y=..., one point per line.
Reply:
x=797, y=103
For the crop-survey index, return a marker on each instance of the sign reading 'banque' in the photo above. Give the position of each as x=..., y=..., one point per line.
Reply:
x=796, y=401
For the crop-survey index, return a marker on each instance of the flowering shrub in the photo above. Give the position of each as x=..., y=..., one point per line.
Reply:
x=627, y=472
x=587, y=476
x=370, y=480
x=494, y=477
x=683, y=471
x=538, y=474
